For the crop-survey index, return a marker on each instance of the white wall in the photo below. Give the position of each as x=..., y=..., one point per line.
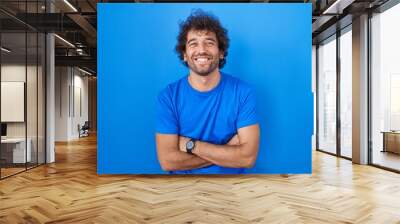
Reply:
x=62, y=81
x=9, y=73
x=16, y=72
x=71, y=102
x=80, y=110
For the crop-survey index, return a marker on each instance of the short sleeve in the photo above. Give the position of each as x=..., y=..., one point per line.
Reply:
x=247, y=114
x=166, y=120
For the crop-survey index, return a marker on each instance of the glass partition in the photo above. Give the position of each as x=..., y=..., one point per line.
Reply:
x=14, y=153
x=22, y=77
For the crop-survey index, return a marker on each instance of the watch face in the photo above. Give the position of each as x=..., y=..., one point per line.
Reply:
x=190, y=145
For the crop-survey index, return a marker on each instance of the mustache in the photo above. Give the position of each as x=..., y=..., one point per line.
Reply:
x=202, y=55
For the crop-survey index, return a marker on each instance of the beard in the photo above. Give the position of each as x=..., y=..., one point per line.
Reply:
x=203, y=70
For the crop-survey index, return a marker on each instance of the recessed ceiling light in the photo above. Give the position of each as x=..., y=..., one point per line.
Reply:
x=84, y=71
x=5, y=50
x=337, y=7
x=71, y=6
x=64, y=40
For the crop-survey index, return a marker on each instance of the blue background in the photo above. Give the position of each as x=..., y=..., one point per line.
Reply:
x=270, y=49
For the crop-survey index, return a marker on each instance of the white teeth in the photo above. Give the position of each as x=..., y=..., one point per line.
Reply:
x=202, y=59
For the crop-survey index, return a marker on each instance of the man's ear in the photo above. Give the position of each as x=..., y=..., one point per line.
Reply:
x=221, y=55
x=184, y=57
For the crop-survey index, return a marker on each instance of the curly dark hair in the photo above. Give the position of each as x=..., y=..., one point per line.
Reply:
x=200, y=20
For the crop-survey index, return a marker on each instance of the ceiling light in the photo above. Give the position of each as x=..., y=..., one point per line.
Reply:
x=5, y=50
x=70, y=5
x=337, y=7
x=65, y=41
x=84, y=71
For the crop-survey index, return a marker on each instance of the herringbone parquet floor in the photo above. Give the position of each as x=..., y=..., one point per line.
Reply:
x=70, y=191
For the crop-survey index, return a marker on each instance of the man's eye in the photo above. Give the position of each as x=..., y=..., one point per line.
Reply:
x=210, y=43
x=192, y=45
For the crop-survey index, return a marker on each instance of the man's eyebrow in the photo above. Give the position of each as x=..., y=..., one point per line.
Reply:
x=210, y=38
x=191, y=40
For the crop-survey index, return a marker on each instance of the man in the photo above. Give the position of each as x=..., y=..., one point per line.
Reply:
x=206, y=121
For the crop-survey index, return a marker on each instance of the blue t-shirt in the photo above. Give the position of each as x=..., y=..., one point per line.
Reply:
x=213, y=116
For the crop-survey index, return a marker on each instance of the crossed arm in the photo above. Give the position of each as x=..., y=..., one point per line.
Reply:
x=240, y=152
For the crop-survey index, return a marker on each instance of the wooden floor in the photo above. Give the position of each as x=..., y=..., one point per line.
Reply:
x=70, y=191
x=9, y=171
x=5, y=172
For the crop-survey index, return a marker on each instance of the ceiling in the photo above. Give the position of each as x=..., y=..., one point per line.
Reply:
x=75, y=21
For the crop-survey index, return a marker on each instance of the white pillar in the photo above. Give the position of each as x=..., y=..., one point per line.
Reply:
x=360, y=90
x=50, y=99
x=50, y=92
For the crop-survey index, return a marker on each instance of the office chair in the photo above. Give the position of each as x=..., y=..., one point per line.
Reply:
x=84, y=130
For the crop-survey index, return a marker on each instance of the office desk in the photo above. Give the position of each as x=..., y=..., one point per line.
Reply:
x=391, y=141
x=13, y=150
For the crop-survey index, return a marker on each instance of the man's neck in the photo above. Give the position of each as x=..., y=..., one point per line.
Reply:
x=204, y=83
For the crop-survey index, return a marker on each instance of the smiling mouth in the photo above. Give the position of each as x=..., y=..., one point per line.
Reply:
x=202, y=59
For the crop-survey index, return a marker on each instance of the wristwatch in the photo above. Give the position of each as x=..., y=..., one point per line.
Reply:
x=190, y=145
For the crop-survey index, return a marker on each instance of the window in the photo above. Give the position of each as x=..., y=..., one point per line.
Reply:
x=346, y=92
x=385, y=88
x=327, y=95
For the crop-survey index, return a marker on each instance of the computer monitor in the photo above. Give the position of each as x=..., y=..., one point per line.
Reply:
x=3, y=129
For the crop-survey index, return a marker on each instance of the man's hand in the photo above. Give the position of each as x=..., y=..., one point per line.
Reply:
x=240, y=152
x=171, y=152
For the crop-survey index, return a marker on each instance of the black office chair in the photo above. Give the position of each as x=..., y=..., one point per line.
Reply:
x=84, y=130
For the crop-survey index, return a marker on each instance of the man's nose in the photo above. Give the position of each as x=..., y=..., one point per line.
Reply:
x=202, y=48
